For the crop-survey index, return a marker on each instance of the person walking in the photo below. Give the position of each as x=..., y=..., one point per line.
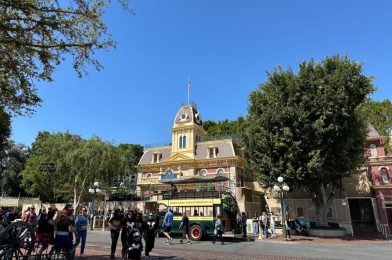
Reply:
x=218, y=231
x=263, y=224
x=81, y=230
x=43, y=235
x=115, y=223
x=185, y=228
x=288, y=228
x=167, y=226
x=149, y=229
x=255, y=223
x=243, y=223
x=272, y=225
x=64, y=231
x=31, y=217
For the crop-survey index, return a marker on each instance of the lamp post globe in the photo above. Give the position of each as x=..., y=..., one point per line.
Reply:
x=276, y=188
x=280, y=179
x=96, y=184
x=285, y=187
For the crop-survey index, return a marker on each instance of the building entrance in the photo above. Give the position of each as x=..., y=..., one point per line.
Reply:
x=362, y=216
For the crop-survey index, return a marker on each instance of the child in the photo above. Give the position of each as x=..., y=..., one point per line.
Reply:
x=136, y=247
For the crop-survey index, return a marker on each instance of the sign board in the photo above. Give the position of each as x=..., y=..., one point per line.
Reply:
x=149, y=181
x=190, y=202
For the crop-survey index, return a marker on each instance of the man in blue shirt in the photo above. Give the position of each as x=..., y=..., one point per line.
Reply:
x=167, y=226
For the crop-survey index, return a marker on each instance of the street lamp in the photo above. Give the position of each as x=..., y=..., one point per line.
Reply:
x=93, y=191
x=281, y=187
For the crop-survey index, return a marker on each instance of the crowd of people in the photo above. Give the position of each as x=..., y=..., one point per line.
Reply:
x=52, y=227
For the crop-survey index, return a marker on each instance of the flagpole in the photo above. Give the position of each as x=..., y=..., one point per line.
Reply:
x=188, y=89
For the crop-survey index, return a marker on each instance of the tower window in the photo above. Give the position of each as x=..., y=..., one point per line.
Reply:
x=373, y=150
x=180, y=144
x=184, y=141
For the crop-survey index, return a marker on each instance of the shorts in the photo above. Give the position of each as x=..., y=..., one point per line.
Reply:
x=63, y=242
x=167, y=229
x=185, y=231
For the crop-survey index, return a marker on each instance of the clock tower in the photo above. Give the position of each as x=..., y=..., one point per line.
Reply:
x=186, y=132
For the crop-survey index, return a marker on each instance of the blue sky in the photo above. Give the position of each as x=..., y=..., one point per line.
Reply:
x=224, y=46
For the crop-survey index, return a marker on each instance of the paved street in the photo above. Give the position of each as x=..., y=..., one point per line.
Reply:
x=98, y=247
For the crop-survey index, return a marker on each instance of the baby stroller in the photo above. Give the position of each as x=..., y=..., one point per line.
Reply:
x=134, y=244
x=302, y=226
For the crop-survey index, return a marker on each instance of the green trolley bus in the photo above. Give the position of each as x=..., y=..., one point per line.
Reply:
x=202, y=209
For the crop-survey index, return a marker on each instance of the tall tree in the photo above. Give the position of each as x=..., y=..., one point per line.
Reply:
x=225, y=127
x=379, y=115
x=62, y=166
x=306, y=127
x=37, y=35
x=13, y=164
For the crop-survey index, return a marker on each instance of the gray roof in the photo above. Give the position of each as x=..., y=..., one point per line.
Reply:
x=225, y=150
x=147, y=155
x=372, y=132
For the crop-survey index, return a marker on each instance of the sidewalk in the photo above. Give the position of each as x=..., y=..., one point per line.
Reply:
x=368, y=238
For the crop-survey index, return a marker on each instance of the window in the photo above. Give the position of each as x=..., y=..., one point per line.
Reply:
x=184, y=141
x=180, y=143
x=156, y=157
x=220, y=172
x=373, y=150
x=384, y=175
x=216, y=151
x=211, y=153
x=203, y=173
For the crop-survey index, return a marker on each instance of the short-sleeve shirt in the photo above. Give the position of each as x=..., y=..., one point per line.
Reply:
x=185, y=222
x=168, y=219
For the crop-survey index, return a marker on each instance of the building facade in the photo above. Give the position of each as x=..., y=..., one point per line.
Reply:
x=193, y=155
x=379, y=168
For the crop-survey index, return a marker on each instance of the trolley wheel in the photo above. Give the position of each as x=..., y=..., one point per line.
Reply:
x=17, y=241
x=196, y=233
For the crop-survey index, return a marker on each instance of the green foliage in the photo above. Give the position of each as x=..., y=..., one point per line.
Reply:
x=13, y=163
x=77, y=164
x=225, y=127
x=379, y=115
x=37, y=35
x=306, y=126
x=5, y=128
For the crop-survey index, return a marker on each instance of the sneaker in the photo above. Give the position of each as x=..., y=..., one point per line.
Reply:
x=167, y=241
x=181, y=241
x=171, y=240
x=189, y=242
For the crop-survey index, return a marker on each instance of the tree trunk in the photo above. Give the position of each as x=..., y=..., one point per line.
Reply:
x=76, y=186
x=322, y=202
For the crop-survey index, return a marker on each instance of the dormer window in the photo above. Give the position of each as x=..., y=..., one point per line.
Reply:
x=213, y=152
x=156, y=157
x=373, y=150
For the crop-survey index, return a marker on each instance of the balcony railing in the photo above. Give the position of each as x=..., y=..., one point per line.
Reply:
x=189, y=195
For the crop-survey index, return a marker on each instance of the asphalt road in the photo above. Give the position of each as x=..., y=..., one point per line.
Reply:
x=98, y=246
